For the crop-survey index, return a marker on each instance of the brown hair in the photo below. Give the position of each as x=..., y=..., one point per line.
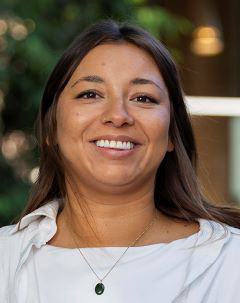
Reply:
x=177, y=193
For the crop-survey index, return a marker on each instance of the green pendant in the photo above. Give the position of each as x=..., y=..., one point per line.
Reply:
x=99, y=289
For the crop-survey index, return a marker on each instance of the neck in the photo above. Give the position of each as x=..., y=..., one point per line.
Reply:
x=115, y=223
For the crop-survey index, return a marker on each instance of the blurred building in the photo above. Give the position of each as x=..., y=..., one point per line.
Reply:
x=211, y=67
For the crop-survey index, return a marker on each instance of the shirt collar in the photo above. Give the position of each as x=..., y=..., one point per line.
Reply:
x=49, y=210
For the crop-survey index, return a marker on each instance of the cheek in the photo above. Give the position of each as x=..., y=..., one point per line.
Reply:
x=72, y=122
x=157, y=127
x=67, y=123
x=159, y=137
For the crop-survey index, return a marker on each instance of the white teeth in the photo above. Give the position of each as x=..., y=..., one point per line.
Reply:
x=119, y=144
x=114, y=144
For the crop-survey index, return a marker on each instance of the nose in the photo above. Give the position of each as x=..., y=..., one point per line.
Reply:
x=116, y=113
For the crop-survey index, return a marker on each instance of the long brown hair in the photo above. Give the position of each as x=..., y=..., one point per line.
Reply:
x=177, y=193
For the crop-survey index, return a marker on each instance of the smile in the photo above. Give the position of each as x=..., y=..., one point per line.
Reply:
x=115, y=150
x=115, y=144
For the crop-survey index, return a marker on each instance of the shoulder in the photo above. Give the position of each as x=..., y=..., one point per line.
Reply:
x=222, y=242
x=36, y=222
x=13, y=242
x=229, y=258
x=227, y=268
x=9, y=241
x=6, y=231
x=232, y=246
x=215, y=272
x=9, y=255
x=230, y=236
x=7, y=234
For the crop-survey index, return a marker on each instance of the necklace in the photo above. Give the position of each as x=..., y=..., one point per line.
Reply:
x=99, y=288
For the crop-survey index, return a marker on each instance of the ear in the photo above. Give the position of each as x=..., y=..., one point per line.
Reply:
x=170, y=146
x=47, y=141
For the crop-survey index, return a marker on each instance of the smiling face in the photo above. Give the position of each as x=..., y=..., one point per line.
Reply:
x=107, y=97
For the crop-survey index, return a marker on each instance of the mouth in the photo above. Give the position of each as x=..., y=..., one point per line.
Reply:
x=115, y=153
x=124, y=146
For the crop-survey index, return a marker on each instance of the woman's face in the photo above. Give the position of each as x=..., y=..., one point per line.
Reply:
x=117, y=90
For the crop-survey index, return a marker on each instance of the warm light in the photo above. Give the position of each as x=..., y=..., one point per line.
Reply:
x=9, y=149
x=14, y=144
x=34, y=174
x=3, y=27
x=18, y=31
x=206, y=32
x=207, y=41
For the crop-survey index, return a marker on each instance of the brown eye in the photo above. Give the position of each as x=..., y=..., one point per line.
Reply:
x=143, y=99
x=87, y=95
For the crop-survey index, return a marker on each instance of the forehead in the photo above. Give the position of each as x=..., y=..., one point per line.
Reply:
x=118, y=60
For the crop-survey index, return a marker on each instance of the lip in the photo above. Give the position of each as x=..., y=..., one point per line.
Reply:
x=116, y=138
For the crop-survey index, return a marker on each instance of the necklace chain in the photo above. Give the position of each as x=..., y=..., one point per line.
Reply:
x=133, y=243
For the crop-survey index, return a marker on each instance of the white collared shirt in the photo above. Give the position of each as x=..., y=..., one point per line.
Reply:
x=33, y=272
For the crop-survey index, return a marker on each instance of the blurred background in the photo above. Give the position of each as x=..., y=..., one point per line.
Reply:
x=202, y=35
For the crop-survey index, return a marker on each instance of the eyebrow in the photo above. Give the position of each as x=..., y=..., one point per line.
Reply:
x=135, y=81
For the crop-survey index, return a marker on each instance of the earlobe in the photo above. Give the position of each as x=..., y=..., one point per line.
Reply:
x=48, y=143
x=170, y=146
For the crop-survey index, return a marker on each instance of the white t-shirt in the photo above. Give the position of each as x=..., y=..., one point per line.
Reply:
x=145, y=274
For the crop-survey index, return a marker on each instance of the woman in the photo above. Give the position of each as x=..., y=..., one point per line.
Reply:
x=116, y=213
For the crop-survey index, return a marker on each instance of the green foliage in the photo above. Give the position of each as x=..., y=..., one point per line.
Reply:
x=37, y=33
x=10, y=207
x=162, y=23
